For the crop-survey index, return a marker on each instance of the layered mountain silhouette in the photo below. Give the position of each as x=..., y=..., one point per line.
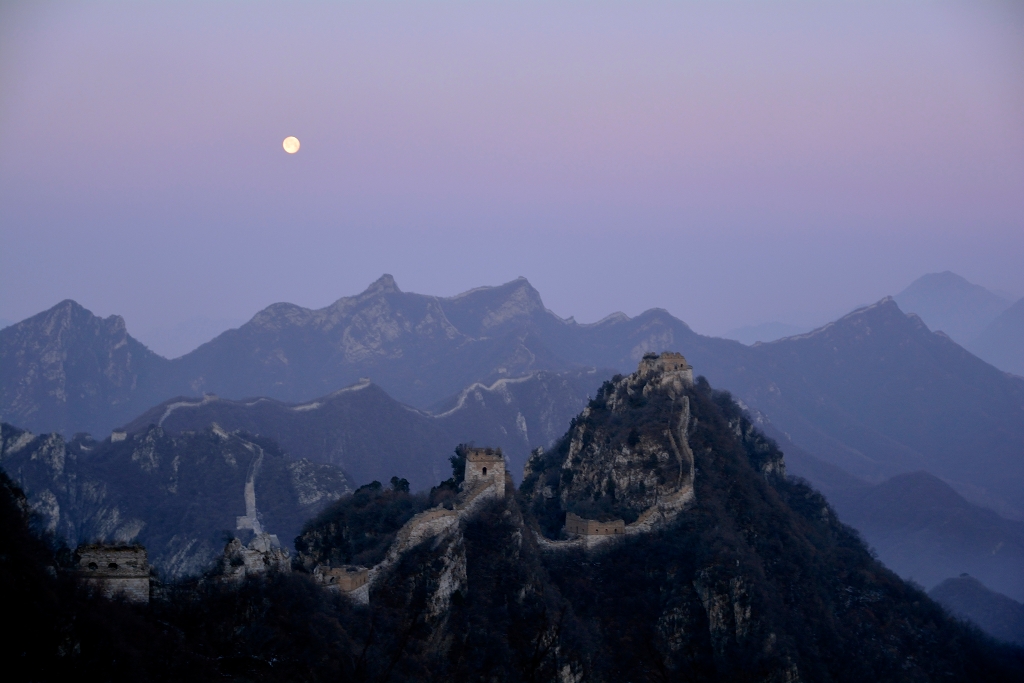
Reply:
x=1002, y=342
x=371, y=436
x=875, y=393
x=919, y=526
x=948, y=302
x=996, y=614
x=725, y=570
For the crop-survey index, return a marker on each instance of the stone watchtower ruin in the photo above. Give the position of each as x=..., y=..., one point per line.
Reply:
x=114, y=571
x=669, y=362
x=485, y=464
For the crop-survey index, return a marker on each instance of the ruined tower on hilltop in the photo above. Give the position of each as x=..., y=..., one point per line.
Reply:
x=485, y=464
x=669, y=362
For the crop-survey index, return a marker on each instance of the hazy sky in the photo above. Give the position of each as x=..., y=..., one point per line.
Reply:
x=735, y=163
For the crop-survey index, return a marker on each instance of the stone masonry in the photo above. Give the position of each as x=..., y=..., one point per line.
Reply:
x=348, y=579
x=114, y=571
x=669, y=362
x=485, y=464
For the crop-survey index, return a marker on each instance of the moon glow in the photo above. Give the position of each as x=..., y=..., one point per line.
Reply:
x=291, y=144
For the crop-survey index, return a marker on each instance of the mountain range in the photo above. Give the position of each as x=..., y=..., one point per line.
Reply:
x=875, y=393
x=371, y=436
x=982, y=321
x=725, y=570
x=948, y=302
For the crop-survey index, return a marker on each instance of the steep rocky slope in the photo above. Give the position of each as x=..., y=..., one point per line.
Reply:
x=177, y=494
x=753, y=579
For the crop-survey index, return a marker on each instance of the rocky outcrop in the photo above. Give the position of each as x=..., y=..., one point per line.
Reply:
x=611, y=465
x=442, y=526
x=262, y=554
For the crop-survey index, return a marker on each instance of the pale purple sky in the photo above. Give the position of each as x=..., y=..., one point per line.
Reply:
x=735, y=163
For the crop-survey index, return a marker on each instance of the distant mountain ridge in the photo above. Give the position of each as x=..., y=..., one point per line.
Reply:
x=948, y=302
x=1002, y=342
x=968, y=598
x=875, y=393
x=66, y=370
x=371, y=436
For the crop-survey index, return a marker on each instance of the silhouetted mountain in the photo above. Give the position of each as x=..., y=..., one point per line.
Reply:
x=753, y=579
x=923, y=530
x=948, y=303
x=373, y=437
x=66, y=370
x=920, y=527
x=996, y=614
x=177, y=494
x=876, y=394
x=1002, y=342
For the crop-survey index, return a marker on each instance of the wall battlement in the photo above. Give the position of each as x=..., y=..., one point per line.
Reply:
x=574, y=524
x=348, y=579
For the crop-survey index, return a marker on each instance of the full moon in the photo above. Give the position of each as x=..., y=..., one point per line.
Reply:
x=291, y=144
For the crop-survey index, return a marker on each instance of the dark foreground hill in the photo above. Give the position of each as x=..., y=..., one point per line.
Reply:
x=752, y=579
x=178, y=495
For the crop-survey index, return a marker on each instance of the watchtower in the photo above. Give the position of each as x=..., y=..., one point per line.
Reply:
x=485, y=464
x=115, y=571
x=669, y=362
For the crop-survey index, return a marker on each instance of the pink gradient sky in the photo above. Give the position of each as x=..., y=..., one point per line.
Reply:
x=734, y=163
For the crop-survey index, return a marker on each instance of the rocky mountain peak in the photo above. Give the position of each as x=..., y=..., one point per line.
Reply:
x=385, y=284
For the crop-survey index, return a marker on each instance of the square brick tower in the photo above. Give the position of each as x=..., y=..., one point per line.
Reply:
x=485, y=464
